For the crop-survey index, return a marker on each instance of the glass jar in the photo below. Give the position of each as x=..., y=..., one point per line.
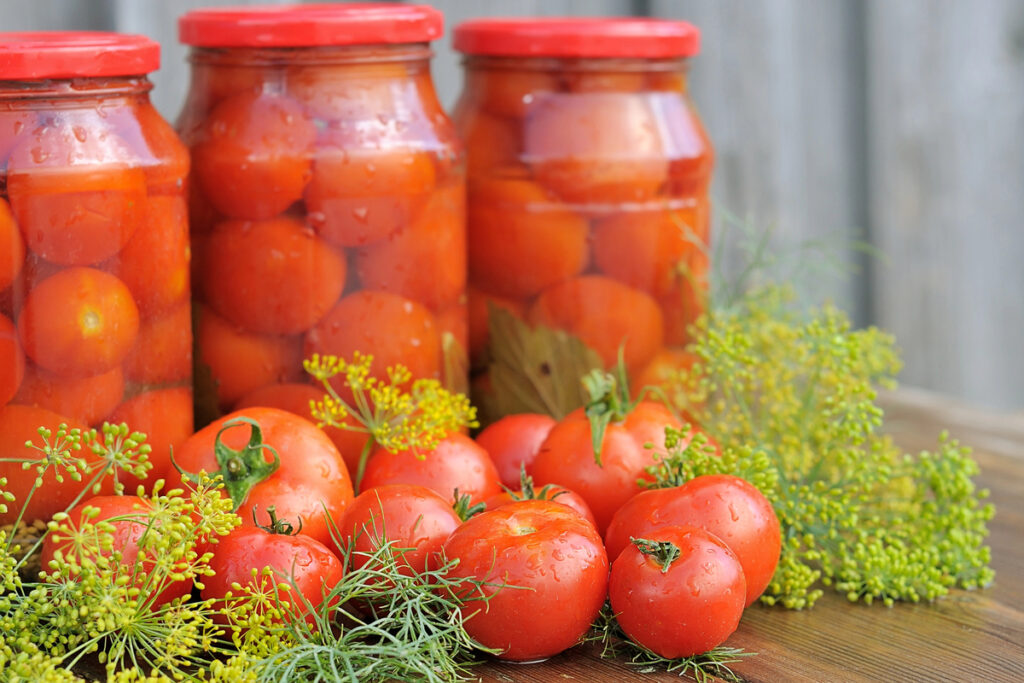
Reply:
x=327, y=199
x=94, y=253
x=588, y=175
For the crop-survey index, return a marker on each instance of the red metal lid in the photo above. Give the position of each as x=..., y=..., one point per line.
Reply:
x=310, y=25
x=72, y=54
x=577, y=37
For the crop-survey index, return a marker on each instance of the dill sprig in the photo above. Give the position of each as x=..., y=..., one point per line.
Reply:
x=382, y=622
x=398, y=413
x=615, y=644
x=790, y=397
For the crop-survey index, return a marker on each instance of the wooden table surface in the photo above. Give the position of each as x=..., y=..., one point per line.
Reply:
x=966, y=636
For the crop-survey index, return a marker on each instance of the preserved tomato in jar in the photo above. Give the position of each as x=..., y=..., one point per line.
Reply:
x=327, y=197
x=94, y=251
x=587, y=183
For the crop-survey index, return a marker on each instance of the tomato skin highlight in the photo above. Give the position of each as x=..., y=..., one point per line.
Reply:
x=690, y=608
x=304, y=563
x=126, y=536
x=311, y=482
x=729, y=507
x=513, y=442
x=79, y=321
x=457, y=463
x=412, y=518
x=567, y=457
x=553, y=555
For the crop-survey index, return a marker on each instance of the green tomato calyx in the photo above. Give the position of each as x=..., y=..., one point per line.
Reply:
x=662, y=552
x=244, y=468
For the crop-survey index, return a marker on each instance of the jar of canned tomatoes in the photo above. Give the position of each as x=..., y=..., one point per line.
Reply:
x=94, y=253
x=327, y=198
x=588, y=174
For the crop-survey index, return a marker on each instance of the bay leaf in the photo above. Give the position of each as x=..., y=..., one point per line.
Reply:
x=535, y=369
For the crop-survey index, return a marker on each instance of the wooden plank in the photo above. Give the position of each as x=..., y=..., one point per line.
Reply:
x=946, y=163
x=778, y=85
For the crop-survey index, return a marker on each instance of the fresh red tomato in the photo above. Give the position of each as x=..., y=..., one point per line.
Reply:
x=554, y=569
x=456, y=463
x=728, y=507
x=253, y=155
x=18, y=425
x=413, y=519
x=274, y=276
x=309, y=483
x=567, y=456
x=513, y=442
x=679, y=596
x=129, y=515
x=79, y=321
x=303, y=563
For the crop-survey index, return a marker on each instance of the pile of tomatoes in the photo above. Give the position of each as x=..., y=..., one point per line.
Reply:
x=559, y=534
x=327, y=216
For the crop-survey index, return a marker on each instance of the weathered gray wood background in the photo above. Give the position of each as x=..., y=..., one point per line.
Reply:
x=898, y=124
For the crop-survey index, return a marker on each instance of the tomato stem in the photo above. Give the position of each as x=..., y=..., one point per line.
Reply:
x=663, y=552
x=464, y=507
x=609, y=401
x=277, y=526
x=244, y=468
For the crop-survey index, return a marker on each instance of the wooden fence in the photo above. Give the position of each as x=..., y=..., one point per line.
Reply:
x=895, y=124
